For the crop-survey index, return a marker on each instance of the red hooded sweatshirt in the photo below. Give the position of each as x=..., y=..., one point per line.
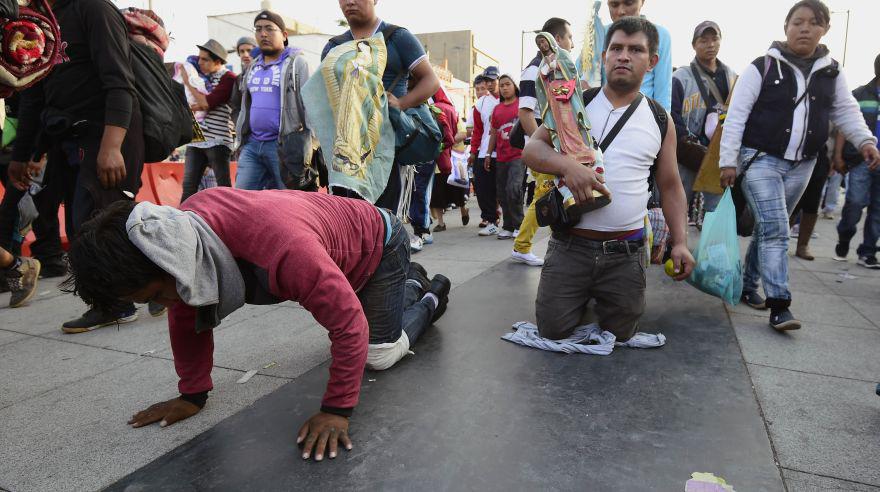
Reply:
x=312, y=248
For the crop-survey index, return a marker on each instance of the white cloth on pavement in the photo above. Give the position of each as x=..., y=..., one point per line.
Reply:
x=587, y=339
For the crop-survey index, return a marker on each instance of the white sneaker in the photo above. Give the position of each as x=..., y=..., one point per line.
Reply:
x=527, y=258
x=416, y=244
x=428, y=238
x=489, y=230
x=504, y=234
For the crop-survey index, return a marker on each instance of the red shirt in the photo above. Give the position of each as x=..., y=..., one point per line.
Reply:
x=502, y=122
x=317, y=250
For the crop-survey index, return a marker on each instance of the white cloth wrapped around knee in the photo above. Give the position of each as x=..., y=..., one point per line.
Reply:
x=383, y=356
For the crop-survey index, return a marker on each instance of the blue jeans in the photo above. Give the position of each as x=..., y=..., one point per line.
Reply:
x=688, y=177
x=832, y=192
x=419, y=211
x=863, y=190
x=393, y=303
x=772, y=187
x=259, y=167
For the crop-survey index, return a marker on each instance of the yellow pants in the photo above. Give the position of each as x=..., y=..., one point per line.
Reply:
x=523, y=244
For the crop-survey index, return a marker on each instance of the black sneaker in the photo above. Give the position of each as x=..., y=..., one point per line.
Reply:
x=418, y=272
x=840, y=252
x=753, y=300
x=95, y=319
x=783, y=320
x=869, y=262
x=155, y=309
x=54, y=267
x=440, y=287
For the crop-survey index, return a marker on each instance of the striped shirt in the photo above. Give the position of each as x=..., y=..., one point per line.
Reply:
x=528, y=97
x=218, y=125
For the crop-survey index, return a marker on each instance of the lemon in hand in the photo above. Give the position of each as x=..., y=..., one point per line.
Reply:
x=669, y=267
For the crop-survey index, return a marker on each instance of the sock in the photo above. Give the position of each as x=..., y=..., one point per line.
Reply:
x=16, y=262
x=433, y=298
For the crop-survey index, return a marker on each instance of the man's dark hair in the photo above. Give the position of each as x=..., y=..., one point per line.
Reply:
x=820, y=10
x=877, y=66
x=508, y=77
x=555, y=26
x=104, y=264
x=214, y=57
x=631, y=25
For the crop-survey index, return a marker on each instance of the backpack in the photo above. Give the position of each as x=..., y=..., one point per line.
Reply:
x=417, y=133
x=167, y=119
x=662, y=119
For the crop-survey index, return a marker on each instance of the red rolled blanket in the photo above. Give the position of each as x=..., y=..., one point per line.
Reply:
x=31, y=46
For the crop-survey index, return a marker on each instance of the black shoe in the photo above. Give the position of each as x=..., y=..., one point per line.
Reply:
x=840, y=252
x=753, y=300
x=440, y=287
x=155, y=309
x=54, y=267
x=418, y=272
x=783, y=320
x=95, y=319
x=869, y=262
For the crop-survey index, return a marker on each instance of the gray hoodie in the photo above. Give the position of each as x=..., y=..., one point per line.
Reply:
x=184, y=245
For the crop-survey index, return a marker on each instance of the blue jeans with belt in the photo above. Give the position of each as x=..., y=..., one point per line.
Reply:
x=862, y=190
x=772, y=187
x=259, y=166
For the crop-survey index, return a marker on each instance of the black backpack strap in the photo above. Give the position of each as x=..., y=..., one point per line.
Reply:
x=591, y=94
x=337, y=40
x=660, y=116
x=389, y=31
x=621, y=122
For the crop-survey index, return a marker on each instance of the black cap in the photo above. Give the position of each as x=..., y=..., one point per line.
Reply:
x=271, y=17
x=491, y=73
x=215, y=48
x=704, y=26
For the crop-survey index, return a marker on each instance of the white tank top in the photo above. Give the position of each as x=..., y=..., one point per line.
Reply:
x=628, y=162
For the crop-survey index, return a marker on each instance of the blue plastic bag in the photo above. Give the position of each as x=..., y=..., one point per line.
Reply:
x=719, y=268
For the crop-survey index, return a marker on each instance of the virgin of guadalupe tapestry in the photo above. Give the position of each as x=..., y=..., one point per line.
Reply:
x=347, y=109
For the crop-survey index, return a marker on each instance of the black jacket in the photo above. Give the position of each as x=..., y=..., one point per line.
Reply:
x=769, y=126
x=93, y=83
x=866, y=95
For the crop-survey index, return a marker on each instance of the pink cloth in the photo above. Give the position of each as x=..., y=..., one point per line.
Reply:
x=145, y=27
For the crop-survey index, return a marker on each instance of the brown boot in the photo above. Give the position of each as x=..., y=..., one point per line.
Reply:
x=804, y=253
x=808, y=223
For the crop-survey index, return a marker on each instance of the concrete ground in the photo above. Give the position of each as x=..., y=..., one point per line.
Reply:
x=64, y=399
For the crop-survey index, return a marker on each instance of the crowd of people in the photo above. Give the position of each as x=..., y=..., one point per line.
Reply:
x=629, y=151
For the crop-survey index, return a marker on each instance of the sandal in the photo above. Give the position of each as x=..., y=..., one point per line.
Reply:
x=439, y=227
x=484, y=224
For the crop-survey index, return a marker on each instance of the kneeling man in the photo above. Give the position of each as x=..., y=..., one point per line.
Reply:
x=603, y=256
x=345, y=261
